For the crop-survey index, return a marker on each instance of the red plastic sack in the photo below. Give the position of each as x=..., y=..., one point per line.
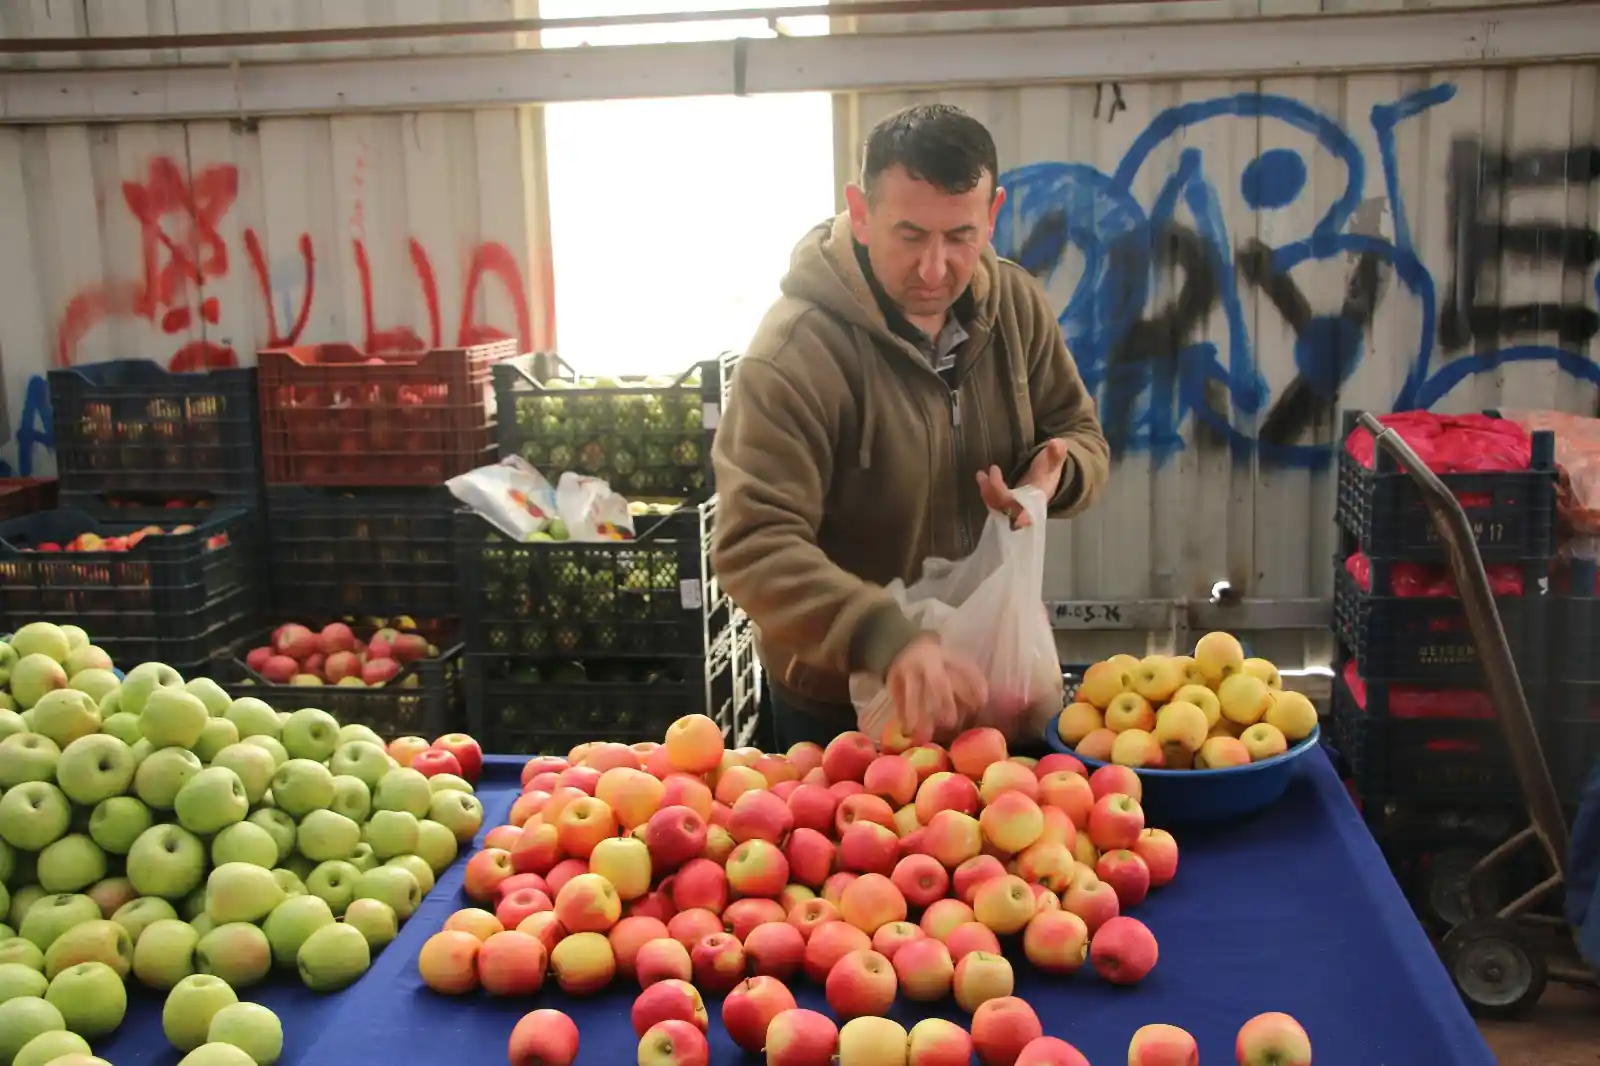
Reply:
x=1413, y=701
x=1452, y=444
x=1417, y=579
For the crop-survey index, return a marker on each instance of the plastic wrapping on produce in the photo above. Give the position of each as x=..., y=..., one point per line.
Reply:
x=1578, y=483
x=990, y=607
x=519, y=501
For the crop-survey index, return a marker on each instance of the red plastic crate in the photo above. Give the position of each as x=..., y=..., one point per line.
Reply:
x=333, y=415
x=25, y=495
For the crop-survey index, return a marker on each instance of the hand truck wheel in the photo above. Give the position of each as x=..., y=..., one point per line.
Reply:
x=1498, y=972
x=1447, y=894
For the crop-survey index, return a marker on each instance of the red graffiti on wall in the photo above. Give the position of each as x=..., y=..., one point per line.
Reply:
x=182, y=249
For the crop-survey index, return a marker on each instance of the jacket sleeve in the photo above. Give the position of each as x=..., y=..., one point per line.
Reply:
x=1062, y=409
x=773, y=454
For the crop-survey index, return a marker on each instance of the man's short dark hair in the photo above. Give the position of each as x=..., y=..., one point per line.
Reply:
x=936, y=143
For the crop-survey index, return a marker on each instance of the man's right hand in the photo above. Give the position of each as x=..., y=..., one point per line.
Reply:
x=934, y=688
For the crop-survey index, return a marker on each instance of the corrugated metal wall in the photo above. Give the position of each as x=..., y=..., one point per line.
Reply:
x=1237, y=262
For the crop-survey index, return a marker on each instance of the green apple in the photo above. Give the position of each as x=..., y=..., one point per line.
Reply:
x=361, y=758
x=52, y=916
x=301, y=786
x=391, y=833
x=91, y=998
x=375, y=919
x=41, y=638
x=393, y=885
x=290, y=882
x=271, y=746
x=24, y=1018
x=283, y=720
x=22, y=900
x=8, y=661
x=449, y=783
x=95, y=682
x=137, y=915
x=254, y=765
x=291, y=922
x=351, y=798
x=241, y=892
x=253, y=718
x=33, y=815
x=6, y=932
x=166, y=861
x=98, y=940
x=141, y=749
x=70, y=864
x=279, y=825
x=173, y=718
x=324, y=835
x=217, y=1054
x=117, y=822
x=110, y=704
x=211, y=800
x=354, y=732
x=419, y=869
x=192, y=1003
x=27, y=757
x=333, y=957
x=218, y=733
x=237, y=952
x=94, y=768
x=298, y=864
x=244, y=842
x=164, y=954
x=334, y=882
x=194, y=905
x=362, y=858
x=143, y=680
x=76, y=637
x=209, y=693
x=87, y=657
x=251, y=1028
x=310, y=734
x=19, y=980
x=10, y=721
x=111, y=893
x=163, y=773
x=459, y=812
x=48, y=1048
x=65, y=715
x=437, y=845
x=23, y=952
x=403, y=790
x=202, y=924
x=33, y=677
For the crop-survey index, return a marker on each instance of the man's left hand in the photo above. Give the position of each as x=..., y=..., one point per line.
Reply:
x=1044, y=474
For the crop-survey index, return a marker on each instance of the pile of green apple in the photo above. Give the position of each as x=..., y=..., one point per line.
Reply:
x=158, y=830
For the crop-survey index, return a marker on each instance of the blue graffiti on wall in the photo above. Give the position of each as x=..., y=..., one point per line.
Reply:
x=35, y=428
x=1149, y=370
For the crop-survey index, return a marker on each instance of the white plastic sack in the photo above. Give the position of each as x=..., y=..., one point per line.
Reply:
x=990, y=607
x=518, y=500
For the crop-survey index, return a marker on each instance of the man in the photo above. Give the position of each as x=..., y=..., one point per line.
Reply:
x=903, y=369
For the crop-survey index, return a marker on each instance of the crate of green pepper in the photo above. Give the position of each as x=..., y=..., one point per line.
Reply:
x=648, y=437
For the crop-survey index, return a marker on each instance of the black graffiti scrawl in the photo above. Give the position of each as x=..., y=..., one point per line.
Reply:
x=1484, y=244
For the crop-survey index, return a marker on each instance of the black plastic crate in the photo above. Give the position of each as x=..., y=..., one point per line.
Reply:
x=172, y=598
x=549, y=709
x=426, y=698
x=1426, y=638
x=1421, y=758
x=1575, y=655
x=26, y=495
x=1513, y=513
x=131, y=425
x=1572, y=738
x=649, y=438
x=369, y=551
x=652, y=596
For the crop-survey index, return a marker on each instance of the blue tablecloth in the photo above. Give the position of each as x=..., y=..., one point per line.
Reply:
x=1293, y=910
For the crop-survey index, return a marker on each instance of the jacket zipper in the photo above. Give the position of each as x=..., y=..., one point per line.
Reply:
x=955, y=435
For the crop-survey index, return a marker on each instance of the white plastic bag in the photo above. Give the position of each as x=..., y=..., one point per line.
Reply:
x=988, y=606
x=518, y=500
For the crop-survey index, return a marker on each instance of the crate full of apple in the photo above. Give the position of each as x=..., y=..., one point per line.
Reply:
x=675, y=872
x=138, y=843
x=1211, y=710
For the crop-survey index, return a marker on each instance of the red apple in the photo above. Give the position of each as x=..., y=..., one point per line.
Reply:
x=544, y=1038
x=1051, y=1051
x=925, y=969
x=758, y=868
x=1001, y=1028
x=1115, y=821
x=674, y=835
x=811, y=856
x=1127, y=875
x=719, y=963
x=1159, y=851
x=801, y=1038
x=921, y=879
x=775, y=949
x=666, y=1000
x=807, y=915
x=516, y=906
x=847, y=757
x=484, y=872
x=1273, y=1039
x=631, y=934
x=867, y=847
x=813, y=807
x=512, y=964
x=861, y=983
x=674, y=1043
x=700, y=883
x=760, y=815
x=744, y=916
x=436, y=761
x=828, y=944
x=258, y=658
x=692, y=926
x=1092, y=900
x=749, y=1009
x=376, y=671
x=661, y=960
x=1123, y=950
x=1163, y=1045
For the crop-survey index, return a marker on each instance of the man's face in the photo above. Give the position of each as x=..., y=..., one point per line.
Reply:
x=923, y=243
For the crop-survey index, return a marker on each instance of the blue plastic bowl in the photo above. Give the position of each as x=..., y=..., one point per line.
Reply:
x=1178, y=796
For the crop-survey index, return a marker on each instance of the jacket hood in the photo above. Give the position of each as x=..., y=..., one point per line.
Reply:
x=824, y=270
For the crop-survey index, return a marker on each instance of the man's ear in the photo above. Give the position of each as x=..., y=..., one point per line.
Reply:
x=855, y=198
x=995, y=205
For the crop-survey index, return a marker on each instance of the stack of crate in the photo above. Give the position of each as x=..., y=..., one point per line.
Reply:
x=1411, y=711
x=355, y=450
x=571, y=642
x=153, y=548
x=1572, y=736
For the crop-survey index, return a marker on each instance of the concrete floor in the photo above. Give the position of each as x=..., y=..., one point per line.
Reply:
x=1564, y=1030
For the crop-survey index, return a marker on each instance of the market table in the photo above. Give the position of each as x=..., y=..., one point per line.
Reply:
x=1291, y=910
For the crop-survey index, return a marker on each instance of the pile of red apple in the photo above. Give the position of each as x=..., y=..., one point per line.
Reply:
x=94, y=542
x=693, y=870
x=336, y=656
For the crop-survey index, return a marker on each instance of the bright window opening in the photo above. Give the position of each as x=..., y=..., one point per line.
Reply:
x=672, y=220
